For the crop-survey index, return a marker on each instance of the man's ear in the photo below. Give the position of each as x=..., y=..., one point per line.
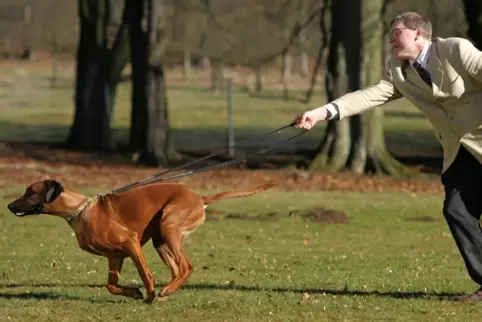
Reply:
x=418, y=33
x=54, y=189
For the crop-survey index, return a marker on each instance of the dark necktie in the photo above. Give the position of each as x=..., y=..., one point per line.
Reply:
x=424, y=74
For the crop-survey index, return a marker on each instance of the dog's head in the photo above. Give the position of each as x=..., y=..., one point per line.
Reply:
x=36, y=196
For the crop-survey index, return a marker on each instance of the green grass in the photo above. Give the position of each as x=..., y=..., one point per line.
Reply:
x=382, y=265
x=30, y=110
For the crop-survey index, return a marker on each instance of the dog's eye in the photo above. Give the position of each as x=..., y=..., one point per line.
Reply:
x=29, y=192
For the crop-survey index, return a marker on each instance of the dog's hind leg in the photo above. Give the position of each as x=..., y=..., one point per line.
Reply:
x=178, y=219
x=166, y=255
x=115, y=267
x=174, y=254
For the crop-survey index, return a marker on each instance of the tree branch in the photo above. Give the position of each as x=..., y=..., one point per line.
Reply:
x=294, y=34
x=323, y=46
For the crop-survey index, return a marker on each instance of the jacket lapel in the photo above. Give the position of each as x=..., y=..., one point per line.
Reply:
x=411, y=75
x=435, y=69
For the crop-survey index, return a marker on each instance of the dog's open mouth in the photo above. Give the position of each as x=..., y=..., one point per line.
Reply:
x=20, y=214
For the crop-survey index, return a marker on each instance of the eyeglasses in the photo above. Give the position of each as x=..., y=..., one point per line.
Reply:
x=396, y=32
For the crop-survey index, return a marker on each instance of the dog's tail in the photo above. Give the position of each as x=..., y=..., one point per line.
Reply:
x=234, y=194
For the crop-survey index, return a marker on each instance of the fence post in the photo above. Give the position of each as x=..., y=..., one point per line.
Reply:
x=230, y=116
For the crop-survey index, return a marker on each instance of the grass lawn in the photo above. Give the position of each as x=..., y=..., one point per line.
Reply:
x=393, y=261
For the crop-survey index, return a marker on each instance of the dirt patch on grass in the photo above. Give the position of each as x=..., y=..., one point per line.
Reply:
x=324, y=216
x=264, y=217
x=319, y=215
x=422, y=219
x=215, y=215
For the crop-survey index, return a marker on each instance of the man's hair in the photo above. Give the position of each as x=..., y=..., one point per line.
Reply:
x=414, y=20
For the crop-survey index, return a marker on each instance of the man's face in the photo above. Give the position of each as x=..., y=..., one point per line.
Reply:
x=403, y=41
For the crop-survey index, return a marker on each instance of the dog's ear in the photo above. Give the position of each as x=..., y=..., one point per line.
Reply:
x=54, y=189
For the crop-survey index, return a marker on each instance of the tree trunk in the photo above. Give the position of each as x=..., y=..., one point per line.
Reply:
x=186, y=47
x=217, y=76
x=258, y=88
x=335, y=147
x=98, y=72
x=187, y=62
x=354, y=61
x=206, y=63
x=473, y=16
x=180, y=32
x=286, y=68
x=286, y=61
x=205, y=34
x=149, y=135
x=304, y=63
x=375, y=157
x=322, y=24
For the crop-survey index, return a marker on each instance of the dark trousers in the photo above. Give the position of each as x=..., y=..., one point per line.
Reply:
x=463, y=208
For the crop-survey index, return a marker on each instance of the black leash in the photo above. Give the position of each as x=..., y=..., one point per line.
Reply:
x=212, y=167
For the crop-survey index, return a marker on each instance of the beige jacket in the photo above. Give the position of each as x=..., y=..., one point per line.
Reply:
x=454, y=103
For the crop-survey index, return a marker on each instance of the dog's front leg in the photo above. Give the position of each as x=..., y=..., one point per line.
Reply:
x=134, y=250
x=115, y=267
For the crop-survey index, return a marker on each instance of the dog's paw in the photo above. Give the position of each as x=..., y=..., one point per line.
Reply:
x=165, y=292
x=155, y=299
x=148, y=301
x=161, y=299
x=151, y=297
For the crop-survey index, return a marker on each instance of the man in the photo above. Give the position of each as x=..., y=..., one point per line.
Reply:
x=443, y=78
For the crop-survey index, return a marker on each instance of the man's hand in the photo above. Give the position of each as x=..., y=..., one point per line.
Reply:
x=309, y=118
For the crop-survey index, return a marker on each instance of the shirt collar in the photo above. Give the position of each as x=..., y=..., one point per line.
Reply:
x=422, y=58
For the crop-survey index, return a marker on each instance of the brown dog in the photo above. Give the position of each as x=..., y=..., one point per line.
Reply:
x=118, y=225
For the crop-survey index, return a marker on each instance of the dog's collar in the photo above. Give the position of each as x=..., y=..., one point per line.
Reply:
x=81, y=208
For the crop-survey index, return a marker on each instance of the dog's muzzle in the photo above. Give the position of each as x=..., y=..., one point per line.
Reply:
x=33, y=210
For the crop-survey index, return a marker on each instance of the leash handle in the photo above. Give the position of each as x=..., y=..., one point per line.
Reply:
x=143, y=181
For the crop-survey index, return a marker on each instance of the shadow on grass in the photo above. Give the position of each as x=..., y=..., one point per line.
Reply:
x=222, y=287
x=49, y=296
x=344, y=292
x=38, y=296
x=40, y=285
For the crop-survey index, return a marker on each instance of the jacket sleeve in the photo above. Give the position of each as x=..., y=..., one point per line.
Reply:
x=364, y=99
x=464, y=56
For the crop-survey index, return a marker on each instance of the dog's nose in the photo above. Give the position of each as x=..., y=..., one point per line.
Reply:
x=11, y=207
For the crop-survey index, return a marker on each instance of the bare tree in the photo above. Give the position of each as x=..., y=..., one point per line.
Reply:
x=150, y=132
x=182, y=31
x=304, y=58
x=99, y=65
x=323, y=20
x=354, y=61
